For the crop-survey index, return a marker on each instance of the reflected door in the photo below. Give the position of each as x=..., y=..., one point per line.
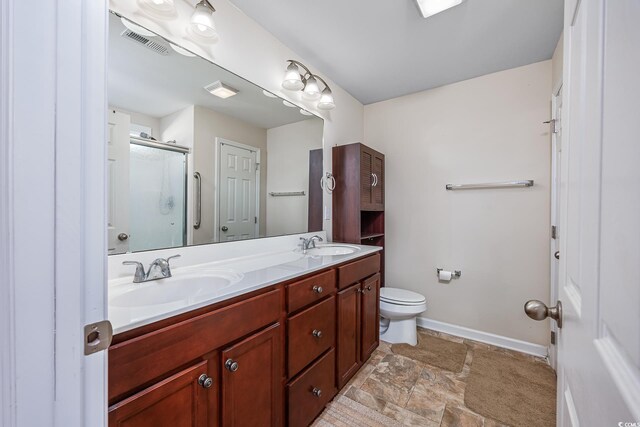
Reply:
x=237, y=193
x=118, y=182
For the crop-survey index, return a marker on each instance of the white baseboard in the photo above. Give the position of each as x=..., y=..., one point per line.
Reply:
x=485, y=337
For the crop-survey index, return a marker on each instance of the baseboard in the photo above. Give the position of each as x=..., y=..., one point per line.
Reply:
x=485, y=337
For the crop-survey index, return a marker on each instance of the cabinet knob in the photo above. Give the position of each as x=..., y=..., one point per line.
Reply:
x=317, y=289
x=317, y=333
x=369, y=287
x=231, y=365
x=205, y=381
x=316, y=392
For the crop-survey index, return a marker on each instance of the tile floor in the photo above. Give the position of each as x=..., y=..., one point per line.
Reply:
x=417, y=394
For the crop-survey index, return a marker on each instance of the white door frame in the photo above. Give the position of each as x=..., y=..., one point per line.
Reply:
x=216, y=212
x=555, y=219
x=52, y=211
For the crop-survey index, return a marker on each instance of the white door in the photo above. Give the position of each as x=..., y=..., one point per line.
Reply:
x=118, y=182
x=237, y=200
x=556, y=161
x=599, y=343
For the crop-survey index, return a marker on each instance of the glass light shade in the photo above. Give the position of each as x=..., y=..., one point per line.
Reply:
x=288, y=104
x=326, y=100
x=181, y=50
x=432, y=7
x=305, y=112
x=311, y=90
x=137, y=28
x=292, y=79
x=202, y=22
x=163, y=6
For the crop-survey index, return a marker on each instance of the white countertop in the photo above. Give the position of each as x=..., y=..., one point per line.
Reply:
x=244, y=275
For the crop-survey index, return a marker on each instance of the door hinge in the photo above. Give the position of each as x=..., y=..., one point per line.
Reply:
x=257, y=167
x=97, y=337
x=255, y=219
x=554, y=232
x=553, y=337
x=553, y=123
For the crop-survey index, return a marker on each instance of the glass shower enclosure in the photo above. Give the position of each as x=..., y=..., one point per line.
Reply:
x=157, y=195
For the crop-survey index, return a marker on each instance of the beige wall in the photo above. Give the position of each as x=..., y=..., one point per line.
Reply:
x=556, y=65
x=288, y=149
x=480, y=130
x=142, y=119
x=209, y=125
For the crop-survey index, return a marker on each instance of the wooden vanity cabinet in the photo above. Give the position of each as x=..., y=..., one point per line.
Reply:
x=358, y=316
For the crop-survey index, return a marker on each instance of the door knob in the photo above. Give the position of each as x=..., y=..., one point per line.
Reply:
x=205, y=381
x=225, y=228
x=557, y=255
x=231, y=365
x=123, y=236
x=537, y=310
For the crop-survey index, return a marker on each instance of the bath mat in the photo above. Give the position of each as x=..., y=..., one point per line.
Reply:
x=346, y=412
x=513, y=390
x=435, y=351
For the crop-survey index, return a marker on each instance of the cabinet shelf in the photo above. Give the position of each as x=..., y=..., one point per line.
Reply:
x=371, y=236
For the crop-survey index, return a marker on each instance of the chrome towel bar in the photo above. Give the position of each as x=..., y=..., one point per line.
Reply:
x=286, y=193
x=506, y=184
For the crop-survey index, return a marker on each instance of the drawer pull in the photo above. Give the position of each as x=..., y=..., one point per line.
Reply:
x=316, y=392
x=231, y=365
x=205, y=381
x=369, y=287
x=317, y=289
x=317, y=333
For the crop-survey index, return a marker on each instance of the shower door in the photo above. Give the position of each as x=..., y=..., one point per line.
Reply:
x=157, y=196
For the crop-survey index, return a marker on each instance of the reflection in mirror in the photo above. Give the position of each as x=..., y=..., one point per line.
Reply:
x=199, y=155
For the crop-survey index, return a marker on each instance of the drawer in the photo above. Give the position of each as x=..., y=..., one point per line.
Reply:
x=310, y=290
x=304, y=404
x=358, y=270
x=137, y=362
x=311, y=332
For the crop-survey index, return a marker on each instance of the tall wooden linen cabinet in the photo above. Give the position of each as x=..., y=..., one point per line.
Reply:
x=358, y=197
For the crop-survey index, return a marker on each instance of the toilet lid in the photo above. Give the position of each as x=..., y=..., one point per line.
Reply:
x=401, y=296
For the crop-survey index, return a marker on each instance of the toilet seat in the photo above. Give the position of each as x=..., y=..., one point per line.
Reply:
x=401, y=296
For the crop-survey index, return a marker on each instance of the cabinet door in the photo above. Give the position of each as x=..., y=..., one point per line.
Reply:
x=252, y=376
x=366, y=178
x=377, y=191
x=370, y=316
x=177, y=401
x=348, y=342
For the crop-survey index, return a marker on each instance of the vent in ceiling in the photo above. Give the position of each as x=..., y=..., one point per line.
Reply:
x=149, y=44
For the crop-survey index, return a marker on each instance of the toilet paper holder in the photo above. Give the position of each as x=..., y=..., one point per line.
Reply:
x=456, y=273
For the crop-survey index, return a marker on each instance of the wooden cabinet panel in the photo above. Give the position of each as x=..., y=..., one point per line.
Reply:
x=140, y=361
x=311, y=391
x=377, y=191
x=348, y=339
x=177, y=401
x=366, y=178
x=310, y=290
x=354, y=272
x=252, y=389
x=311, y=332
x=370, y=316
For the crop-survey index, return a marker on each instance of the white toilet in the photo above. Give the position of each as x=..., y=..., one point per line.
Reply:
x=398, y=311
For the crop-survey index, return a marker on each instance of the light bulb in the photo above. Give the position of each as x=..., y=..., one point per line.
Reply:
x=311, y=90
x=202, y=21
x=326, y=100
x=292, y=79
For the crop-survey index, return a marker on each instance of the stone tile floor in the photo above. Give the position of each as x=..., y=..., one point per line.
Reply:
x=417, y=394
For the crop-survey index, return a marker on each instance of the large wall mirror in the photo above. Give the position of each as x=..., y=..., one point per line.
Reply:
x=199, y=155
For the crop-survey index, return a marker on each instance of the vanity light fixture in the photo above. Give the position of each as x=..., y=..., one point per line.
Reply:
x=221, y=90
x=162, y=7
x=202, y=21
x=181, y=51
x=307, y=82
x=268, y=94
x=431, y=7
x=288, y=104
x=137, y=28
x=305, y=112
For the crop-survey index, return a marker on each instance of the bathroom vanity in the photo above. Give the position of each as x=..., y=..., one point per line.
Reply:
x=273, y=355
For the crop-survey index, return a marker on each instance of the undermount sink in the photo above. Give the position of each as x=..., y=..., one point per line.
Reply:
x=187, y=288
x=331, y=249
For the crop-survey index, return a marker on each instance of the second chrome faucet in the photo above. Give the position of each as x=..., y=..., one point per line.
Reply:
x=158, y=269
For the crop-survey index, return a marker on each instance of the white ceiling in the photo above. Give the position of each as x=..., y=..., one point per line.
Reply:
x=146, y=82
x=381, y=49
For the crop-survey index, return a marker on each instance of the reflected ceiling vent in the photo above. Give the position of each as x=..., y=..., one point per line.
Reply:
x=220, y=89
x=144, y=41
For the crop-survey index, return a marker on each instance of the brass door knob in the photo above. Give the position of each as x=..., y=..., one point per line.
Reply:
x=537, y=310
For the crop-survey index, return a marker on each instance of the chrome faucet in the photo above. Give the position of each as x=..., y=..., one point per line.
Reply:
x=309, y=243
x=159, y=269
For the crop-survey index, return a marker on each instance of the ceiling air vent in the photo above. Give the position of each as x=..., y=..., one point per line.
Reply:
x=149, y=44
